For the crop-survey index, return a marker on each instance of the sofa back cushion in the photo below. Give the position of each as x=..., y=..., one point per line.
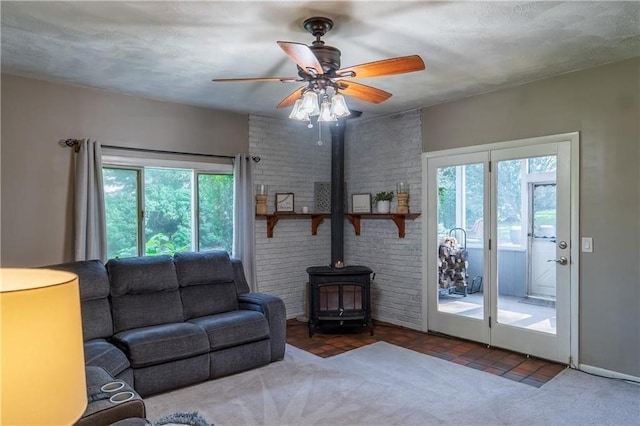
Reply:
x=94, y=293
x=144, y=292
x=206, y=283
x=242, y=286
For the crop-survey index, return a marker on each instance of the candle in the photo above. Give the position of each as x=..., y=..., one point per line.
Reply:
x=403, y=188
x=261, y=189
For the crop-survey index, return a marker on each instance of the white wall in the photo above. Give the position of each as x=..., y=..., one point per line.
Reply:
x=603, y=104
x=379, y=153
x=36, y=193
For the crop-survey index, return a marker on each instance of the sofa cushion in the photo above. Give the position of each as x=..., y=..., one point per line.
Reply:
x=94, y=281
x=96, y=319
x=203, y=300
x=171, y=375
x=94, y=290
x=162, y=343
x=205, y=267
x=144, y=292
x=239, y=358
x=100, y=353
x=145, y=310
x=206, y=283
x=145, y=274
x=233, y=328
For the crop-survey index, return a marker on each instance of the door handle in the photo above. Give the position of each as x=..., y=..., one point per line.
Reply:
x=562, y=261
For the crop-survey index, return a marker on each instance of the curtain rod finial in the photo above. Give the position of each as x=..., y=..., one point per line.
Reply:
x=70, y=143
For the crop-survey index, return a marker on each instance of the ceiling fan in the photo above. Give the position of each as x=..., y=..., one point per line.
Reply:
x=319, y=68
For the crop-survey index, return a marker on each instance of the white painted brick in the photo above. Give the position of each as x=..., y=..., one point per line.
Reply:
x=378, y=153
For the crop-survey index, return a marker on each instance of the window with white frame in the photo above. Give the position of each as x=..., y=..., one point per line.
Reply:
x=158, y=207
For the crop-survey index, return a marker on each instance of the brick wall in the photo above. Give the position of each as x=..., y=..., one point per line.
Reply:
x=291, y=161
x=378, y=153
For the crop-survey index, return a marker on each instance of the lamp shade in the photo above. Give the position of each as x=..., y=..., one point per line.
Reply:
x=42, y=369
x=309, y=105
x=339, y=106
x=325, y=112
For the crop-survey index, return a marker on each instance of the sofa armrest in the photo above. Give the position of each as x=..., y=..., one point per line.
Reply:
x=274, y=310
x=100, y=411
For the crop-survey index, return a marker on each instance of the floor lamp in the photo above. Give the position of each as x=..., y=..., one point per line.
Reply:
x=42, y=368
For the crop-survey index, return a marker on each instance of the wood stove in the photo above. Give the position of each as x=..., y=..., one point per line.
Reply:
x=339, y=297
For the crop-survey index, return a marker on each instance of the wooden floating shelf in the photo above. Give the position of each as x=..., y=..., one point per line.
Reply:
x=398, y=218
x=355, y=219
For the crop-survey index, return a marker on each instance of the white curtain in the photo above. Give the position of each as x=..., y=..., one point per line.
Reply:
x=90, y=228
x=244, y=244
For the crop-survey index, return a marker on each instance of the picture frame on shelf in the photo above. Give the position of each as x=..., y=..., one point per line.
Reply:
x=361, y=203
x=285, y=202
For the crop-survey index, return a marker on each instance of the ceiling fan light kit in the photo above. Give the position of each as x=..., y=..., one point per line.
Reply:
x=319, y=66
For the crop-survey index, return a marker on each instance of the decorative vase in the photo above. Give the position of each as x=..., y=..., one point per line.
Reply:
x=261, y=204
x=402, y=190
x=261, y=199
x=383, y=206
x=403, y=203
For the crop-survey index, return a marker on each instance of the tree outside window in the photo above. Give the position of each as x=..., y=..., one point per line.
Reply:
x=184, y=210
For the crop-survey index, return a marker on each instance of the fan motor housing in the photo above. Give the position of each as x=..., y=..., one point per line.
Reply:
x=328, y=56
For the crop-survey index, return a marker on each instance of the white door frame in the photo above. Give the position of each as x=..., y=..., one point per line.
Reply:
x=574, y=139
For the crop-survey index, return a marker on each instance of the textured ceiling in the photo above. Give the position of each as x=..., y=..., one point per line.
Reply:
x=172, y=50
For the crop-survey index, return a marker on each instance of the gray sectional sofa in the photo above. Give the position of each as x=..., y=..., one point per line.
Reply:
x=162, y=322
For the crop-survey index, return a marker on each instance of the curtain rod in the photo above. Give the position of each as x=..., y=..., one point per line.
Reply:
x=75, y=144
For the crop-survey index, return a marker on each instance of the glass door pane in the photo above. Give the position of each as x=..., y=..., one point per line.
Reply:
x=526, y=224
x=460, y=221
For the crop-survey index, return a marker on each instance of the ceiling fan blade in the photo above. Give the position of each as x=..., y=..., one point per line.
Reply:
x=363, y=92
x=292, y=98
x=302, y=55
x=280, y=79
x=399, y=65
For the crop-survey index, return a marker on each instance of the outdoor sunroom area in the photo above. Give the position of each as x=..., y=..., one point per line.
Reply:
x=519, y=219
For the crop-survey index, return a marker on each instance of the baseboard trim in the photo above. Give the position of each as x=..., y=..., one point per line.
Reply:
x=607, y=373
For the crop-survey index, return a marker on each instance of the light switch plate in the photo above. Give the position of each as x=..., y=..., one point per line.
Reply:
x=587, y=244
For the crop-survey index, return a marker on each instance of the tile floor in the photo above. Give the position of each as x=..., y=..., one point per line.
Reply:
x=510, y=365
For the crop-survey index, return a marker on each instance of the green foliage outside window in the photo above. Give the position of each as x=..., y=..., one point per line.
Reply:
x=167, y=204
x=121, y=211
x=509, y=194
x=216, y=212
x=169, y=211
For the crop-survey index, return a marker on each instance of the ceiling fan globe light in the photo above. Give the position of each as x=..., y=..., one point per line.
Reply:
x=295, y=111
x=339, y=106
x=310, y=103
x=325, y=112
x=302, y=116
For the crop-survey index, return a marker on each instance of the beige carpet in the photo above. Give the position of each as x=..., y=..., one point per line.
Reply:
x=383, y=384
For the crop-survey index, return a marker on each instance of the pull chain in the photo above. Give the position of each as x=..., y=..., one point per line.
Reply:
x=320, y=143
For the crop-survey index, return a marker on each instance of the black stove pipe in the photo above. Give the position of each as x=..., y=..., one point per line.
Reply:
x=337, y=192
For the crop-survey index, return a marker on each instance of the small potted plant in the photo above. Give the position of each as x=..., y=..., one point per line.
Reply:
x=383, y=201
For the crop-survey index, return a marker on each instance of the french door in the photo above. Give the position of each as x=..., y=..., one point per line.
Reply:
x=500, y=266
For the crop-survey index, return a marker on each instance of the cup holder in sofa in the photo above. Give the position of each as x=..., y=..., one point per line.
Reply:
x=112, y=386
x=121, y=397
